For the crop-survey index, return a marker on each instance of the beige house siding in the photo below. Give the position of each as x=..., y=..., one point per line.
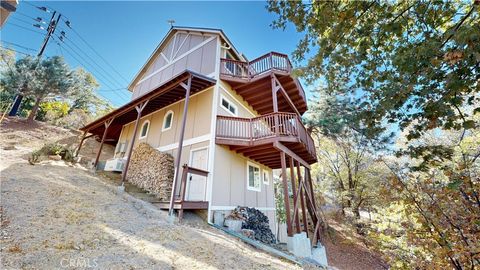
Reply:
x=182, y=51
x=198, y=122
x=230, y=184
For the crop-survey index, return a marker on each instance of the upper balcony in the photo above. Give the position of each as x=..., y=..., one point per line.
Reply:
x=256, y=137
x=254, y=81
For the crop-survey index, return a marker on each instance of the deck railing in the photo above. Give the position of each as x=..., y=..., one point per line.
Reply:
x=183, y=184
x=270, y=125
x=256, y=67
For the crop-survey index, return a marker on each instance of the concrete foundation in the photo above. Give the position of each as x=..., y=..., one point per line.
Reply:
x=299, y=245
x=319, y=254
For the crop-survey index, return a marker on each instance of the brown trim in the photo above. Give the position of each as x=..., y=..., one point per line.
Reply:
x=162, y=89
x=84, y=137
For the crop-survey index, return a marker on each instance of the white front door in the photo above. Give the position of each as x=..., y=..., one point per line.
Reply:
x=197, y=184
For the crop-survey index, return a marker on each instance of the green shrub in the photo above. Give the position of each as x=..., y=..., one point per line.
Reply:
x=49, y=150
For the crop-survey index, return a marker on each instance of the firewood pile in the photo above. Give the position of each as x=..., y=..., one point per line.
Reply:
x=151, y=170
x=254, y=220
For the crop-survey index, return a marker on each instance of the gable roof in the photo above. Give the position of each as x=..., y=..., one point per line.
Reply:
x=170, y=33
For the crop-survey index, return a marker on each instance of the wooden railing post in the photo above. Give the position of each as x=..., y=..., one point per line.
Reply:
x=183, y=184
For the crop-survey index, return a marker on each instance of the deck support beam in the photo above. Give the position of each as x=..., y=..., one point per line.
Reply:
x=284, y=93
x=139, y=109
x=289, y=152
x=294, y=191
x=180, y=143
x=302, y=199
x=285, y=194
x=107, y=124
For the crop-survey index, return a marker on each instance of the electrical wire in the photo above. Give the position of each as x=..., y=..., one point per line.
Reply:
x=25, y=28
x=18, y=45
x=94, y=68
x=93, y=61
x=82, y=62
x=10, y=49
x=95, y=51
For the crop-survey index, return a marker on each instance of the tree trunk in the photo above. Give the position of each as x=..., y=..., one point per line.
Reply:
x=34, y=111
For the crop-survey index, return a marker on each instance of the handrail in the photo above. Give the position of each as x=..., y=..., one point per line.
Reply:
x=257, y=67
x=183, y=185
x=264, y=126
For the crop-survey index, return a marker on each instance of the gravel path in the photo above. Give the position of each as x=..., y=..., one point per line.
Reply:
x=61, y=216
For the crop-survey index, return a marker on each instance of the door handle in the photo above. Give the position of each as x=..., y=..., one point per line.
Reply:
x=190, y=178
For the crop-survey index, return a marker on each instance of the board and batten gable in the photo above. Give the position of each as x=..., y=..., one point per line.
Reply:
x=183, y=50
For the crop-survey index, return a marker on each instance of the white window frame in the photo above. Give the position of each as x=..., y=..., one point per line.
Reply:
x=267, y=174
x=259, y=189
x=148, y=129
x=230, y=103
x=165, y=118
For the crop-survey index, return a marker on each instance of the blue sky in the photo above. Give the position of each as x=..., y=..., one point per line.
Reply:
x=126, y=33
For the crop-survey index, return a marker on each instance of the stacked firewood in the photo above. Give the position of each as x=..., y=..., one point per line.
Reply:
x=254, y=220
x=151, y=170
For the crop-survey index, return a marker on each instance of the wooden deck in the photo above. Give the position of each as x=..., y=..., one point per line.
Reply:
x=252, y=80
x=258, y=138
x=183, y=205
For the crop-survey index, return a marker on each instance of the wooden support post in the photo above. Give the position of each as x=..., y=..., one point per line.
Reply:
x=81, y=142
x=107, y=125
x=285, y=194
x=302, y=199
x=310, y=184
x=139, y=109
x=275, y=104
x=294, y=191
x=180, y=143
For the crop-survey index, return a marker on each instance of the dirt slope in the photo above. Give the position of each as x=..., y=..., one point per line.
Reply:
x=60, y=216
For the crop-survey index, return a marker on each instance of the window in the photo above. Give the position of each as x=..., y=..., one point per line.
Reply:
x=228, y=106
x=266, y=177
x=253, y=177
x=144, y=130
x=167, y=121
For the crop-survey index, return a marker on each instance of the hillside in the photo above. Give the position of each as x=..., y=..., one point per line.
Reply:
x=57, y=215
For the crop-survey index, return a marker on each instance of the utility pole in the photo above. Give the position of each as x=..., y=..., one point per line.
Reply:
x=51, y=29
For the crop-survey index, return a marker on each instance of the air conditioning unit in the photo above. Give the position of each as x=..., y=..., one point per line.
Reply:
x=115, y=165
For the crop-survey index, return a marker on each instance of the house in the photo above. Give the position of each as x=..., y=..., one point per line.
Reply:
x=7, y=7
x=228, y=122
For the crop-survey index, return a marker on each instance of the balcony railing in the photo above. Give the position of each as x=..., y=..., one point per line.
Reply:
x=256, y=67
x=263, y=127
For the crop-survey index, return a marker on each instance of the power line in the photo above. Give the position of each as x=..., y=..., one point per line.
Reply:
x=25, y=28
x=91, y=59
x=18, y=45
x=10, y=49
x=99, y=73
x=83, y=62
x=95, y=51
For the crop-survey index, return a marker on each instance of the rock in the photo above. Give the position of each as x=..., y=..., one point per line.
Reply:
x=55, y=157
x=9, y=147
x=248, y=233
x=256, y=221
